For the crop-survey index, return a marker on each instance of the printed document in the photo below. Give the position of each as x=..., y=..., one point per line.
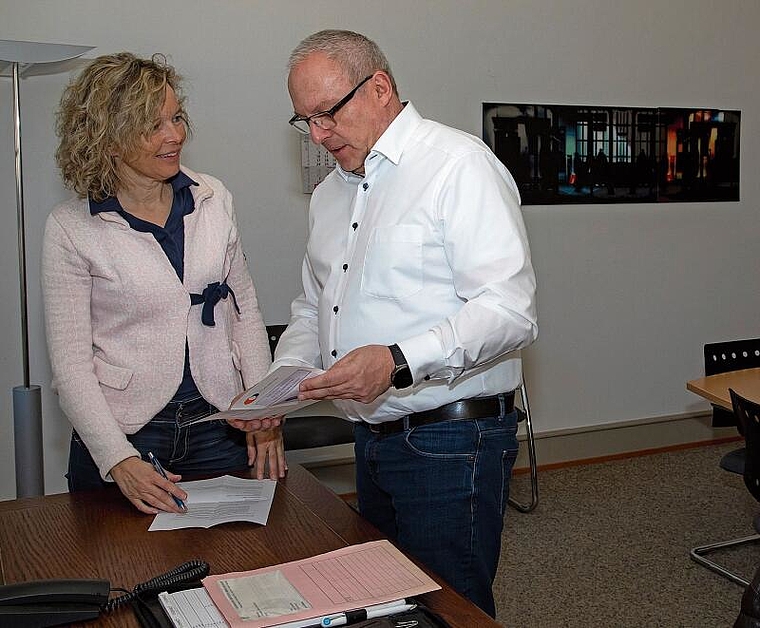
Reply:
x=349, y=578
x=220, y=500
x=274, y=395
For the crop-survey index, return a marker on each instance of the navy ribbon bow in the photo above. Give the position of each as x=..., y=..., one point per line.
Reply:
x=212, y=294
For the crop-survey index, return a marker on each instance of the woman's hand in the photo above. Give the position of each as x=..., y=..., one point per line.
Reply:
x=255, y=425
x=266, y=449
x=146, y=489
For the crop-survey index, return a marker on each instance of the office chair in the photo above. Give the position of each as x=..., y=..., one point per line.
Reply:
x=749, y=611
x=306, y=432
x=748, y=414
x=733, y=355
x=523, y=415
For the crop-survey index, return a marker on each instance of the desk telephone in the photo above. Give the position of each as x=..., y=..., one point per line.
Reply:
x=51, y=602
x=44, y=603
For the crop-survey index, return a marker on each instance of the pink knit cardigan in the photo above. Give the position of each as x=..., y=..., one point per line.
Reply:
x=117, y=317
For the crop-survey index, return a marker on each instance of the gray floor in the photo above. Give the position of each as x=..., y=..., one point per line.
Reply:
x=609, y=544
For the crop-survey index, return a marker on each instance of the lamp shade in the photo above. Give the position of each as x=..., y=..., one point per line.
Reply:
x=31, y=52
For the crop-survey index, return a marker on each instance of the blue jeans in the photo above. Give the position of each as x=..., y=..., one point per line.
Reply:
x=209, y=448
x=440, y=491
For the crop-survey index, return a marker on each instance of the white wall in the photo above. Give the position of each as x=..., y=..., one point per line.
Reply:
x=627, y=293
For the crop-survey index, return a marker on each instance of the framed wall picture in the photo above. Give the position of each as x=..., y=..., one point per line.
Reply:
x=597, y=154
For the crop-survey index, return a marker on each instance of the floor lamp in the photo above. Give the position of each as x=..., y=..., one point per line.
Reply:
x=27, y=399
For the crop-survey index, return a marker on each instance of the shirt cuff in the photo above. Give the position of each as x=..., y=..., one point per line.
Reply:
x=425, y=358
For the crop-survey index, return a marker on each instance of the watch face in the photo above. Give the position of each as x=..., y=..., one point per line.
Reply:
x=402, y=377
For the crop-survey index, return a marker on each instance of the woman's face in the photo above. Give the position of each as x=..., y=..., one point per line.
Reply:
x=157, y=158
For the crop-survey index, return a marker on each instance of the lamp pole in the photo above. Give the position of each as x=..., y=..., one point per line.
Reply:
x=27, y=398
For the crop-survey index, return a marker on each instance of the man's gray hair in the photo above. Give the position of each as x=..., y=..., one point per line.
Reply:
x=356, y=54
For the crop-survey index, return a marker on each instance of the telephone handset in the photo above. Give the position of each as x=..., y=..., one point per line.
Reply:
x=44, y=603
x=51, y=602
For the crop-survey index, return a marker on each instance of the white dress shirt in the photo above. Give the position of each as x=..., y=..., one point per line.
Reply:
x=427, y=250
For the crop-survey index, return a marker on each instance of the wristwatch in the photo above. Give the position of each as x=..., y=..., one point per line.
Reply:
x=401, y=376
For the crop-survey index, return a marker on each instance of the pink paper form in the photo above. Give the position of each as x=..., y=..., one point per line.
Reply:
x=352, y=577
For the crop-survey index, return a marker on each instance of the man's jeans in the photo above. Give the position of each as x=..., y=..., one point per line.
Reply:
x=440, y=491
x=208, y=448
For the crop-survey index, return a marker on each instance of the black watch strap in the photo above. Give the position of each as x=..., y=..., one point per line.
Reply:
x=401, y=376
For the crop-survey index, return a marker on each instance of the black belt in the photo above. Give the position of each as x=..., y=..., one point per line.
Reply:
x=475, y=408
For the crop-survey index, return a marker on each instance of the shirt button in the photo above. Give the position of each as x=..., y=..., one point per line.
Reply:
x=365, y=186
x=335, y=309
x=355, y=226
x=333, y=353
x=345, y=267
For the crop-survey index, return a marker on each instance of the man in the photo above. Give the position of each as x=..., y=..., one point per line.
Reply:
x=418, y=291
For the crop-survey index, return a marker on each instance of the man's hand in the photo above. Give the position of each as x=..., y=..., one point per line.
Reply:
x=361, y=375
x=146, y=489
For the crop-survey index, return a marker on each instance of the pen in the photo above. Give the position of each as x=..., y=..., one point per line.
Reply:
x=377, y=610
x=160, y=470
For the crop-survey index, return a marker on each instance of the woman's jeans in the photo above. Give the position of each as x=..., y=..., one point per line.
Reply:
x=440, y=491
x=208, y=448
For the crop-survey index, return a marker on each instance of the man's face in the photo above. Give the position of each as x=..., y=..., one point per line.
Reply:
x=317, y=84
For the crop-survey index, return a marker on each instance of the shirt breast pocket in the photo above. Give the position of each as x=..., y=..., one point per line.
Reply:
x=393, y=264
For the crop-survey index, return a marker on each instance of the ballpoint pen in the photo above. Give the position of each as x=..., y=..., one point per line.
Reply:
x=160, y=470
x=377, y=610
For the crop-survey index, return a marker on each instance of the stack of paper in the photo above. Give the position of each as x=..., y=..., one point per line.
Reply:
x=373, y=576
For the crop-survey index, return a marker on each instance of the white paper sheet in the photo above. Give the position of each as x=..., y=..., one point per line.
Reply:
x=192, y=608
x=220, y=500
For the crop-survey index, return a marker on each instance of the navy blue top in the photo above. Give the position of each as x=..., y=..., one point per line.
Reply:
x=171, y=238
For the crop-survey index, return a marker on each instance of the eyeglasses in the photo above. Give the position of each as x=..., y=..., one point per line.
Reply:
x=324, y=120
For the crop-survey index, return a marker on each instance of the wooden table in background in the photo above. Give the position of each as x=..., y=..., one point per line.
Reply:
x=101, y=535
x=714, y=388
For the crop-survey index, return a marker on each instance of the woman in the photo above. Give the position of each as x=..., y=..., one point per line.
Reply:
x=151, y=315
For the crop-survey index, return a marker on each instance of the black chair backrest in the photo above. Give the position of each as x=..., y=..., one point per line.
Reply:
x=733, y=355
x=274, y=331
x=748, y=414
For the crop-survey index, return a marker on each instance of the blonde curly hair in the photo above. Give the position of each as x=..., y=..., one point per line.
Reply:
x=110, y=108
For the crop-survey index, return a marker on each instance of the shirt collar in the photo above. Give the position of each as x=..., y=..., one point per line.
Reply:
x=112, y=204
x=395, y=138
x=392, y=142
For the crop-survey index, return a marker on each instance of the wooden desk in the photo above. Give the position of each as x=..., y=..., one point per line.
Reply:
x=101, y=535
x=714, y=388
